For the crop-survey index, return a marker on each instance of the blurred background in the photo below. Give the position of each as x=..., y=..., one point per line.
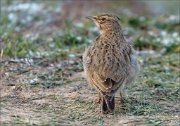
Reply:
x=31, y=28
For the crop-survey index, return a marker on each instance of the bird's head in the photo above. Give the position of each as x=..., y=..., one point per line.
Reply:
x=106, y=22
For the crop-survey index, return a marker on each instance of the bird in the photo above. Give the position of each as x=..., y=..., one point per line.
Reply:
x=109, y=63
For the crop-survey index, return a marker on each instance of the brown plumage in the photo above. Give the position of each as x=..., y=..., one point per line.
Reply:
x=109, y=62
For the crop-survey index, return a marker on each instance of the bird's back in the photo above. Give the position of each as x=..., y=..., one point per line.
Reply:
x=108, y=58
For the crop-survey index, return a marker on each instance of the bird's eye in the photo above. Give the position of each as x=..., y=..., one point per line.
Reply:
x=103, y=19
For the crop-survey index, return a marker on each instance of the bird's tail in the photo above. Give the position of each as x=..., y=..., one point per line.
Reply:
x=108, y=104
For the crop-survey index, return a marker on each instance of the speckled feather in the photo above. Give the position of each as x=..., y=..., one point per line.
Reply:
x=108, y=58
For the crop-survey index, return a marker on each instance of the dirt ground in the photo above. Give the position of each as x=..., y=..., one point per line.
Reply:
x=46, y=95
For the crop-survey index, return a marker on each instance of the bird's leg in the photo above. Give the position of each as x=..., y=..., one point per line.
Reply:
x=98, y=99
x=123, y=94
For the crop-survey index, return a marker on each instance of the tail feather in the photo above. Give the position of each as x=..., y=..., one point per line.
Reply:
x=108, y=104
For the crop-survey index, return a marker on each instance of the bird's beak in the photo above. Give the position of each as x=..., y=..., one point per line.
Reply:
x=92, y=17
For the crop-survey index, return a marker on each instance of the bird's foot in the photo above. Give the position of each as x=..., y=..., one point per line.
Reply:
x=123, y=99
x=97, y=100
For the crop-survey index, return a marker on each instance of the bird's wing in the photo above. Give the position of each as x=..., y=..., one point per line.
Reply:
x=107, y=70
x=112, y=73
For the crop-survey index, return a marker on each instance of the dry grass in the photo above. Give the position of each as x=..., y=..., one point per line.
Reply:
x=45, y=96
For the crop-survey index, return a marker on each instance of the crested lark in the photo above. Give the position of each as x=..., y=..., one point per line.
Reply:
x=109, y=62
